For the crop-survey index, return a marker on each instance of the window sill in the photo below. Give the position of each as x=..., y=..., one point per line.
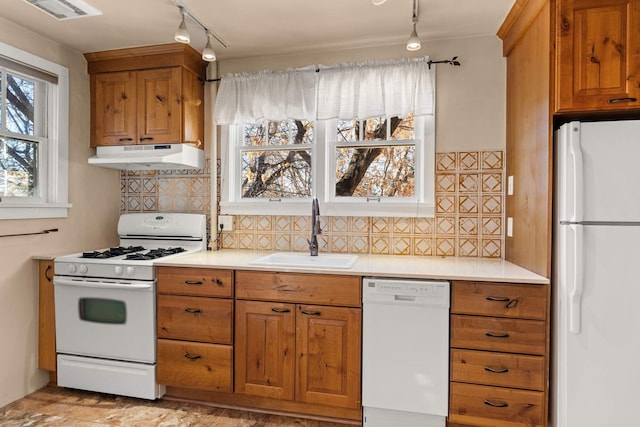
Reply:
x=303, y=207
x=33, y=210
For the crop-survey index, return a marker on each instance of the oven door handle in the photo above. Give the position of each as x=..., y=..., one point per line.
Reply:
x=103, y=285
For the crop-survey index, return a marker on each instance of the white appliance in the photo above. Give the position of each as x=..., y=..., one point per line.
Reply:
x=405, y=353
x=105, y=305
x=595, y=371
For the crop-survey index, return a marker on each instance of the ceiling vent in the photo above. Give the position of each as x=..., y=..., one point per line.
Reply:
x=65, y=9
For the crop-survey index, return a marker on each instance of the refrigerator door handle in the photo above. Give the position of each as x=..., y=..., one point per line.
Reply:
x=575, y=151
x=577, y=287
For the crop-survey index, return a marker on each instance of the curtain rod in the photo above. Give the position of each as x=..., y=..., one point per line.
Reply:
x=453, y=61
x=50, y=230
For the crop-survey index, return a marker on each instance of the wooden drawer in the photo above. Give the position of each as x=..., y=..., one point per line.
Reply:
x=498, y=334
x=495, y=406
x=498, y=369
x=325, y=289
x=195, y=318
x=207, y=282
x=504, y=300
x=195, y=365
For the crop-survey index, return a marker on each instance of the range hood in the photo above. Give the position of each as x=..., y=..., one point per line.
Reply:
x=149, y=157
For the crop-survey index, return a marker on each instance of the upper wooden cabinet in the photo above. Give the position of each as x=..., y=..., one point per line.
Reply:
x=148, y=95
x=597, y=55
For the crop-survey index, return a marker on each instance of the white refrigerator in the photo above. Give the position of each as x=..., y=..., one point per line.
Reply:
x=596, y=326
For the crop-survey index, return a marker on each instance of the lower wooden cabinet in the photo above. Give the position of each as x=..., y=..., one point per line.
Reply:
x=289, y=350
x=499, y=355
x=46, y=318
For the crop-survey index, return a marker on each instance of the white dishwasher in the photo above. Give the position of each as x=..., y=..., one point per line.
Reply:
x=405, y=352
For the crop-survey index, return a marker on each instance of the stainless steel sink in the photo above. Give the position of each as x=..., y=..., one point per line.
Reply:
x=303, y=260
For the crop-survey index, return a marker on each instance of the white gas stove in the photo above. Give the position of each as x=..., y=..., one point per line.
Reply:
x=105, y=304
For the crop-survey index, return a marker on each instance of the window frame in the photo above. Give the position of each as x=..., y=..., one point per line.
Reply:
x=323, y=178
x=53, y=156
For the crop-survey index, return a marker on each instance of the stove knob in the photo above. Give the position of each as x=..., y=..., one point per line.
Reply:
x=130, y=271
x=72, y=268
x=83, y=268
x=118, y=270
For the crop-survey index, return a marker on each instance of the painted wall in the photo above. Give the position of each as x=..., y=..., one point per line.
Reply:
x=470, y=99
x=94, y=194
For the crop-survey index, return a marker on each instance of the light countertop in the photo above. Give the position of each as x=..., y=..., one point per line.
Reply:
x=401, y=266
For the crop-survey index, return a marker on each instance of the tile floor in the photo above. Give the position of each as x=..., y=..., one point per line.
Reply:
x=54, y=406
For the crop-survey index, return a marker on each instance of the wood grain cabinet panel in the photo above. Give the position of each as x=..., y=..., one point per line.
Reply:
x=264, y=349
x=195, y=365
x=479, y=405
x=598, y=55
x=115, y=102
x=195, y=318
x=207, y=282
x=497, y=334
x=500, y=300
x=328, y=344
x=46, y=318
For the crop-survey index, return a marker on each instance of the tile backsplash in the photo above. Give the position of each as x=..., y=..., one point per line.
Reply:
x=469, y=218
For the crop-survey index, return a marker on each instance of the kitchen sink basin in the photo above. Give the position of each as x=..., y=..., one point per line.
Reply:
x=302, y=260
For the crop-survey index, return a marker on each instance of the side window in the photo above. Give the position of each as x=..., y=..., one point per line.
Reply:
x=276, y=160
x=34, y=136
x=22, y=137
x=375, y=158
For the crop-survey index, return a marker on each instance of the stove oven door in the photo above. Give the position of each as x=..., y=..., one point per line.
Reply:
x=105, y=319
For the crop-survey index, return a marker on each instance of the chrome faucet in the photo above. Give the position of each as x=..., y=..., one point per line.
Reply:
x=315, y=228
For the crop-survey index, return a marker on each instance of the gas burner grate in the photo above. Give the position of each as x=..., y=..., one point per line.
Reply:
x=112, y=252
x=154, y=253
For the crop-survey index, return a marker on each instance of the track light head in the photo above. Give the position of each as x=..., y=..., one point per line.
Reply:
x=208, y=53
x=182, y=33
x=413, y=43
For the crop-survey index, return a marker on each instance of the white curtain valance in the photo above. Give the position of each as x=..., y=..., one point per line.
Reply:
x=376, y=89
x=344, y=91
x=247, y=98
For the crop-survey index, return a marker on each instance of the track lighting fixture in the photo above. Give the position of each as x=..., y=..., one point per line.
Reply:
x=182, y=33
x=208, y=54
x=413, y=43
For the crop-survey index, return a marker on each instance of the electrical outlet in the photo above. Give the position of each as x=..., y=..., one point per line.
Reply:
x=509, y=227
x=226, y=221
x=510, y=185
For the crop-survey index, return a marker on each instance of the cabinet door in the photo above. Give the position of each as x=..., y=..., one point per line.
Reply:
x=46, y=318
x=598, y=64
x=328, y=347
x=264, y=349
x=114, y=109
x=160, y=106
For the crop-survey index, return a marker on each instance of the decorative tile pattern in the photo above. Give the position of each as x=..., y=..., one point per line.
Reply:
x=469, y=217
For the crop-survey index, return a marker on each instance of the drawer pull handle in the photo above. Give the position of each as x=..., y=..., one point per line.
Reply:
x=496, y=405
x=192, y=356
x=498, y=299
x=494, y=335
x=496, y=371
x=280, y=310
x=193, y=310
x=511, y=303
x=125, y=139
x=193, y=282
x=625, y=99
x=310, y=313
x=146, y=138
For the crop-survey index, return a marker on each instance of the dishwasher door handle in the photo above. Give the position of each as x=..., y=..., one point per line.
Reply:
x=405, y=298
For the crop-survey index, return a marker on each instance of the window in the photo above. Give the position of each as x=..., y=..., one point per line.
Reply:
x=379, y=166
x=33, y=136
